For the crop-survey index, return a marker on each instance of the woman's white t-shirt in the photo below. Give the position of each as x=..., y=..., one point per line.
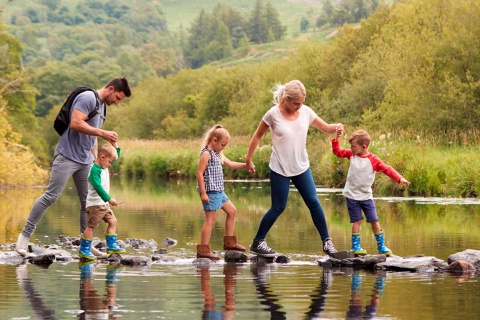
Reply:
x=289, y=141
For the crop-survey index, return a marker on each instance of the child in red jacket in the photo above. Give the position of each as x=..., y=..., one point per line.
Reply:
x=358, y=188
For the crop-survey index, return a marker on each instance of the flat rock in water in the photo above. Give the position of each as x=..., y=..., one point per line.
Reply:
x=471, y=256
x=10, y=258
x=45, y=259
x=415, y=263
x=235, y=256
x=360, y=262
x=460, y=266
x=136, y=261
x=343, y=255
x=202, y=262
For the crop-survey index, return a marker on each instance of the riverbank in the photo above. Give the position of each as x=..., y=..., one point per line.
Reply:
x=433, y=169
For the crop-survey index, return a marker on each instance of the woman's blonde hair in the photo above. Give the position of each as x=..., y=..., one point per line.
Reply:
x=291, y=90
x=218, y=132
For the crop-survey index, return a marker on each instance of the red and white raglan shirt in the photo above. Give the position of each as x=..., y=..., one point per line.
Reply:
x=361, y=174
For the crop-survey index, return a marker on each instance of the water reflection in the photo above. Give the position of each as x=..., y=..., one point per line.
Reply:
x=37, y=305
x=209, y=306
x=93, y=304
x=266, y=295
x=157, y=209
x=319, y=295
x=355, y=309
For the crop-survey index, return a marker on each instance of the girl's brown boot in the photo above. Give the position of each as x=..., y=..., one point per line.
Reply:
x=231, y=243
x=203, y=251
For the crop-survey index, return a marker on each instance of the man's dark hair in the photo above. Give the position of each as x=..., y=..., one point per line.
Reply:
x=120, y=84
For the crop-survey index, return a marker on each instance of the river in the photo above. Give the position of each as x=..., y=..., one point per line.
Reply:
x=157, y=208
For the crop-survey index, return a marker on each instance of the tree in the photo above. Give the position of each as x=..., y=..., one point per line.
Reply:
x=304, y=25
x=209, y=40
x=257, y=25
x=272, y=20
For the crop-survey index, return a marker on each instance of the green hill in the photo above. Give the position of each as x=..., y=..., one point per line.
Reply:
x=179, y=14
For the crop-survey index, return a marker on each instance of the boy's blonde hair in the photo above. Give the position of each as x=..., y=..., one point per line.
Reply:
x=108, y=150
x=218, y=132
x=361, y=137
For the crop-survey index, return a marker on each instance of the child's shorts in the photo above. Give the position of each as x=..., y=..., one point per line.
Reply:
x=97, y=213
x=355, y=208
x=216, y=200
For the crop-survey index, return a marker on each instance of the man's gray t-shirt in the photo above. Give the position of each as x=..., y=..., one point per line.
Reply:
x=78, y=146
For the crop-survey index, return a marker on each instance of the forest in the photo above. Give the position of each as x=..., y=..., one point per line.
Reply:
x=410, y=68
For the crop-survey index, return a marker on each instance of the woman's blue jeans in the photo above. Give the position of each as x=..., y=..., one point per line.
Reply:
x=279, y=187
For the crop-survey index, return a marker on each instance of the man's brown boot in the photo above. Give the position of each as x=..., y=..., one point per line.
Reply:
x=231, y=243
x=203, y=251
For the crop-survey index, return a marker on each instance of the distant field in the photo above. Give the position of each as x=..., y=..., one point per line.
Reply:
x=180, y=13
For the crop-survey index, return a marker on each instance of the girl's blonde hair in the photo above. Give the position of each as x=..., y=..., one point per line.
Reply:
x=361, y=137
x=291, y=90
x=218, y=132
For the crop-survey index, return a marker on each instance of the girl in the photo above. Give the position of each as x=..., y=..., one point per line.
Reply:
x=210, y=187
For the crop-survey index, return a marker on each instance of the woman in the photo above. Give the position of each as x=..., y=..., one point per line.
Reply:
x=289, y=121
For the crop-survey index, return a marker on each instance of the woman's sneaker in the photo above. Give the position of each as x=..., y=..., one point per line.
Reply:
x=328, y=247
x=260, y=248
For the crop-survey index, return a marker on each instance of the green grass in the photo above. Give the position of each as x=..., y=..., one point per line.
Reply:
x=433, y=170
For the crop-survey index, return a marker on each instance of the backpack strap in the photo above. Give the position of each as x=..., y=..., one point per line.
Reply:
x=97, y=107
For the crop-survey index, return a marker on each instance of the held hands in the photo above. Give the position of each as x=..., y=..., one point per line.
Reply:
x=250, y=166
x=339, y=130
x=110, y=136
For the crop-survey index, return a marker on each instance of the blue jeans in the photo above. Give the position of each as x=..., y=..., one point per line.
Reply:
x=279, y=187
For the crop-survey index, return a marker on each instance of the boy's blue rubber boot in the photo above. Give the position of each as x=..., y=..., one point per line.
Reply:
x=381, y=244
x=112, y=244
x=84, y=252
x=356, y=246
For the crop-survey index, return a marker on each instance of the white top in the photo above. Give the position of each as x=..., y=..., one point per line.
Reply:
x=289, y=139
x=361, y=174
x=102, y=176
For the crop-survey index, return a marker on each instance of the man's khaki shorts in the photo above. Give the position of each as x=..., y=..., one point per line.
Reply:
x=97, y=213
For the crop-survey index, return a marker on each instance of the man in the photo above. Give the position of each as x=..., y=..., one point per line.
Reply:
x=75, y=153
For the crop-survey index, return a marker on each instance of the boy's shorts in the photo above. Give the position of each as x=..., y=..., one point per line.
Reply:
x=216, y=200
x=97, y=213
x=355, y=208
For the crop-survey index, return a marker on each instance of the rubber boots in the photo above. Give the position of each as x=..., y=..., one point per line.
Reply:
x=112, y=244
x=356, y=246
x=203, y=251
x=231, y=243
x=381, y=244
x=22, y=244
x=84, y=252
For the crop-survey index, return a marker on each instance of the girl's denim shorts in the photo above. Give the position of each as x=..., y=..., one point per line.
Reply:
x=216, y=200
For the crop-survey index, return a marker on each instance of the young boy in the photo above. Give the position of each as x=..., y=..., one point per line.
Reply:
x=99, y=202
x=358, y=188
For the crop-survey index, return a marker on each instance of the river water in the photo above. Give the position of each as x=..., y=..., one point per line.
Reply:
x=156, y=209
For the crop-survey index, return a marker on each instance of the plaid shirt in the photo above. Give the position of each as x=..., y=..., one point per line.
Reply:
x=213, y=175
